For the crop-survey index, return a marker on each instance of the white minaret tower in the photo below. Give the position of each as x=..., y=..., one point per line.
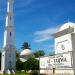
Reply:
x=9, y=52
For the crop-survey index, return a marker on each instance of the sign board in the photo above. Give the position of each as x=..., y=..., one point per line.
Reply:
x=57, y=61
x=63, y=60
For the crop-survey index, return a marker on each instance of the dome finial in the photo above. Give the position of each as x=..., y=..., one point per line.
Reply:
x=68, y=19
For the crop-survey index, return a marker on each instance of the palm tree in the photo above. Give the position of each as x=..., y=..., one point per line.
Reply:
x=25, y=46
x=39, y=53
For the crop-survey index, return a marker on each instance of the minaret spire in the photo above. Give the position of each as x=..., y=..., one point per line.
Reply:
x=10, y=6
x=9, y=25
x=9, y=17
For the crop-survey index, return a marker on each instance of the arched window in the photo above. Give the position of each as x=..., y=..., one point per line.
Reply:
x=10, y=17
x=10, y=34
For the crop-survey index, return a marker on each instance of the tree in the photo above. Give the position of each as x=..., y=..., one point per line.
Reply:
x=17, y=55
x=31, y=64
x=25, y=46
x=39, y=53
x=19, y=65
x=51, y=53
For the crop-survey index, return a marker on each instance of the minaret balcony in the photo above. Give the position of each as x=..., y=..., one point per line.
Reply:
x=9, y=13
x=9, y=27
x=10, y=0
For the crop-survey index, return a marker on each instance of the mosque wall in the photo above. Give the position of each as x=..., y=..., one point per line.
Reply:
x=63, y=44
x=63, y=62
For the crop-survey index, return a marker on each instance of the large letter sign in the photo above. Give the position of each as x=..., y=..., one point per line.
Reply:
x=57, y=61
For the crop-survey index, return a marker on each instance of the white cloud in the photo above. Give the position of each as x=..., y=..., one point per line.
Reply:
x=28, y=2
x=51, y=46
x=23, y=4
x=44, y=35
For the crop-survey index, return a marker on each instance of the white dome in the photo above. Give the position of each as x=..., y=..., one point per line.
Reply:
x=67, y=25
x=26, y=52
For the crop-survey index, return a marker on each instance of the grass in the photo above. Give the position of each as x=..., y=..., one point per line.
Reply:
x=29, y=74
x=59, y=74
x=15, y=74
x=23, y=73
x=20, y=73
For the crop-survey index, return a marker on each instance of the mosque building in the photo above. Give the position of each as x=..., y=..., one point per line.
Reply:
x=64, y=59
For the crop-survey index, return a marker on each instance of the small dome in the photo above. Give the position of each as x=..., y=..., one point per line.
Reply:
x=67, y=25
x=26, y=52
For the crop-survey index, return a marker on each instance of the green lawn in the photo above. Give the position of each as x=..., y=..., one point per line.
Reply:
x=29, y=74
x=21, y=74
x=15, y=74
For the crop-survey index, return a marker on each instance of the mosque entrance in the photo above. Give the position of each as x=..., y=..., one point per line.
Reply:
x=10, y=65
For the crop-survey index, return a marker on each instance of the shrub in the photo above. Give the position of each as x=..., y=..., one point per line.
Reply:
x=34, y=72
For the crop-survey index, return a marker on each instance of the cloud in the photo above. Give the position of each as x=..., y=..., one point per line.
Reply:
x=44, y=35
x=22, y=4
x=28, y=2
x=49, y=46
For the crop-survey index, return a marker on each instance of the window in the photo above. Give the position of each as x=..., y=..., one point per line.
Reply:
x=10, y=17
x=10, y=34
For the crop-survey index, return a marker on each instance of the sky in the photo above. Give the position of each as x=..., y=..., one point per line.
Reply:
x=36, y=20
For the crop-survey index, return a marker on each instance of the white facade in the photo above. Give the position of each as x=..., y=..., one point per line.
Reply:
x=64, y=58
x=65, y=43
x=9, y=53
